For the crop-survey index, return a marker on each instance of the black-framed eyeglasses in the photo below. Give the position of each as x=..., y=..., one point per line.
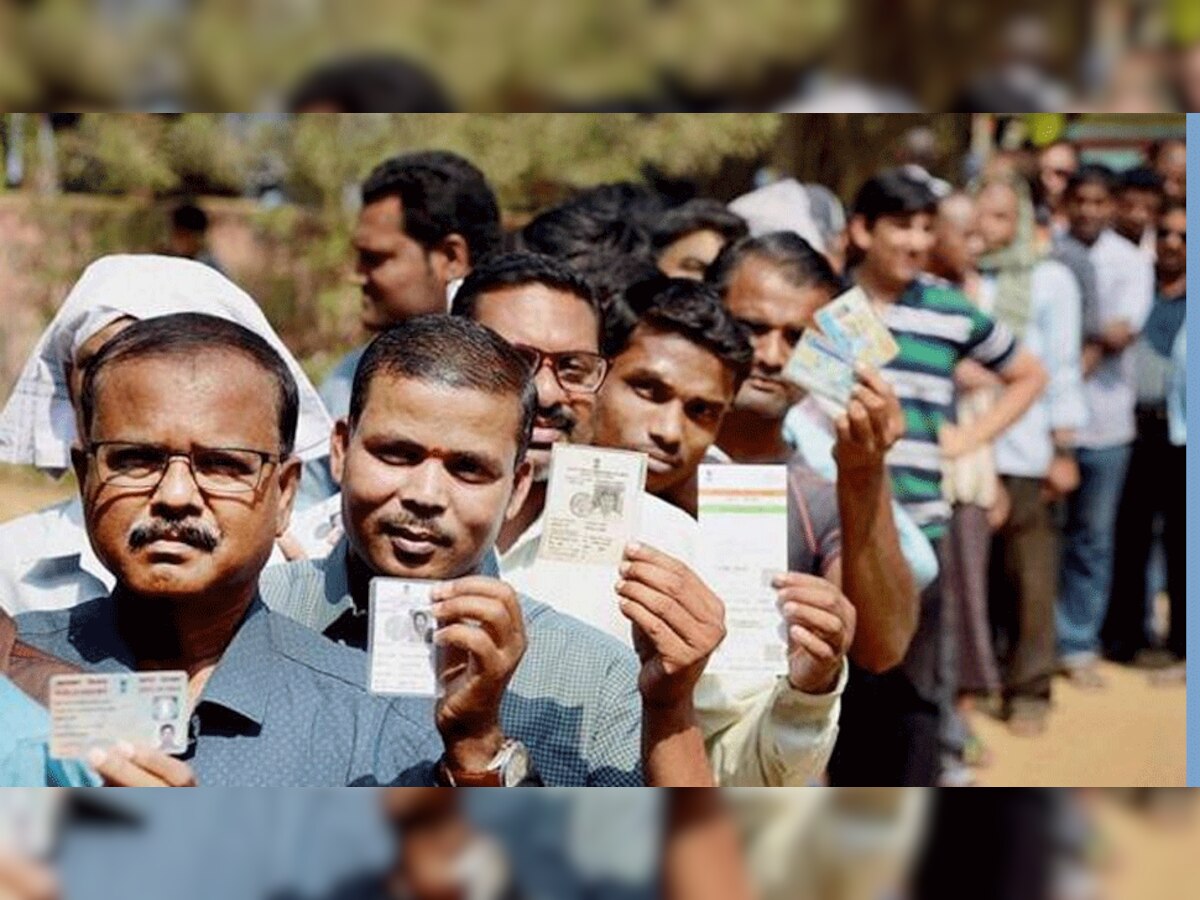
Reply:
x=216, y=470
x=575, y=370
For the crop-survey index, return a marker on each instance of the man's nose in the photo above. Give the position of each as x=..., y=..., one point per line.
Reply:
x=425, y=487
x=773, y=351
x=177, y=489
x=667, y=428
x=549, y=391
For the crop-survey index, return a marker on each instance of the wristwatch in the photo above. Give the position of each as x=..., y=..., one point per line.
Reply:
x=510, y=767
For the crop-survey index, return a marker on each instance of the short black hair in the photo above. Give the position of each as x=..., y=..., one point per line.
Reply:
x=450, y=351
x=610, y=273
x=1092, y=173
x=189, y=217
x=186, y=335
x=442, y=194
x=370, y=84
x=517, y=269
x=609, y=217
x=800, y=262
x=1140, y=178
x=701, y=214
x=893, y=192
x=682, y=306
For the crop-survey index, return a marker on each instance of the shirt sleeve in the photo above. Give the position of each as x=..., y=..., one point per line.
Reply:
x=1139, y=290
x=1061, y=315
x=989, y=342
x=614, y=754
x=767, y=734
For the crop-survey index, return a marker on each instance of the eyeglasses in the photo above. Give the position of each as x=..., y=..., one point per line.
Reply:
x=575, y=370
x=216, y=470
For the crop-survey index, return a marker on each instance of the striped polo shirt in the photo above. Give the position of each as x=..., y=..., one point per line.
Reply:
x=936, y=327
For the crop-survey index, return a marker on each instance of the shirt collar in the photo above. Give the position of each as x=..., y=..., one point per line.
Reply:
x=239, y=680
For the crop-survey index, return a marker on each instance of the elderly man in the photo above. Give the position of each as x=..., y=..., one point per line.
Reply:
x=45, y=560
x=432, y=464
x=187, y=472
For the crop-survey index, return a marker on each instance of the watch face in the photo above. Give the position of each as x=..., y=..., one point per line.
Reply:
x=516, y=768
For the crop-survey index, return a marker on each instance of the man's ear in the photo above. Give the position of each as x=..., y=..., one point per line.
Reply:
x=860, y=233
x=289, y=484
x=339, y=442
x=522, y=481
x=452, y=257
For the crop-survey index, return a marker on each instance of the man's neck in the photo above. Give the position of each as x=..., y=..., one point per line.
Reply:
x=1172, y=284
x=191, y=634
x=529, y=512
x=880, y=290
x=1084, y=240
x=750, y=438
x=684, y=494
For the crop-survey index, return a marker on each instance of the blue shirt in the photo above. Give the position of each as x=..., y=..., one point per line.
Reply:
x=284, y=707
x=573, y=700
x=24, y=746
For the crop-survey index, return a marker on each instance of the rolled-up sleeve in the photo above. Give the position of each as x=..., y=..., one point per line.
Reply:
x=767, y=734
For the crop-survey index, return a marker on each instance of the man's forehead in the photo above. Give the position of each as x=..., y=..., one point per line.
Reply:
x=539, y=315
x=684, y=365
x=379, y=222
x=762, y=291
x=402, y=407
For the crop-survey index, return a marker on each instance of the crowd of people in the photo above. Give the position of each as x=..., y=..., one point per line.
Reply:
x=231, y=515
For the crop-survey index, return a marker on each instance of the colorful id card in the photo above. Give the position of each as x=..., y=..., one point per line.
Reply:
x=856, y=330
x=146, y=709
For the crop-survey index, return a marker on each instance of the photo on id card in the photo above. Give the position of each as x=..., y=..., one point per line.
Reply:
x=593, y=504
x=146, y=709
x=401, y=655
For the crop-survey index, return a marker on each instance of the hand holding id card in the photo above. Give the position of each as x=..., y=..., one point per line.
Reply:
x=850, y=333
x=146, y=709
x=593, y=503
x=400, y=649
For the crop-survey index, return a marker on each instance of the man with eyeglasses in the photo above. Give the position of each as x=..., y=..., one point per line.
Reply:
x=188, y=475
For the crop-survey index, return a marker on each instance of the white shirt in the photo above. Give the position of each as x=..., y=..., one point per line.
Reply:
x=758, y=731
x=1124, y=290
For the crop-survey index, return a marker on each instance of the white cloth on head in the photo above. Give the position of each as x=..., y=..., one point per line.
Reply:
x=37, y=426
x=781, y=206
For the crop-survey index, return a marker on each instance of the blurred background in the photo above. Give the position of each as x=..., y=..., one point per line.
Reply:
x=799, y=844
x=820, y=55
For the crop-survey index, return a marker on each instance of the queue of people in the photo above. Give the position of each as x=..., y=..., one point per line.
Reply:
x=232, y=518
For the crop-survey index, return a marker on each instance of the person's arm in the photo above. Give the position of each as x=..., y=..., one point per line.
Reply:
x=872, y=571
x=1062, y=320
x=677, y=624
x=1136, y=290
x=703, y=856
x=1024, y=380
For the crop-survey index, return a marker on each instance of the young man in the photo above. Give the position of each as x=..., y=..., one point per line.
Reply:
x=773, y=285
x=1154, y=485
x=183, y=500
x=678, y=358
x=432, y=461
x=895, y=721
x=46, y=561
x=1040, y=299
x=1124, y=291
x=1139, y=199
x=426, y=219
x=687, y=238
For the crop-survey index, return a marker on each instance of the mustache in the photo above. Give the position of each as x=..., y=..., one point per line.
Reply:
x=393, y=525
x=196, y=534
x=558, y=416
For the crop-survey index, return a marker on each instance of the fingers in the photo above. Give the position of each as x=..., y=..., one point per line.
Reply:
x=493, y=660
x=661, y=638
x=862, y=429
x=480, y=586
x=489, y=613
x=829, y=626
x=124, y=766
x=677, y=617
x=667, y=575
x=820, y=650
x=290, y=547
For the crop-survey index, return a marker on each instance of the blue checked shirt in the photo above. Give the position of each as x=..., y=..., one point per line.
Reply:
x=283, y=708
x=573, y=700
